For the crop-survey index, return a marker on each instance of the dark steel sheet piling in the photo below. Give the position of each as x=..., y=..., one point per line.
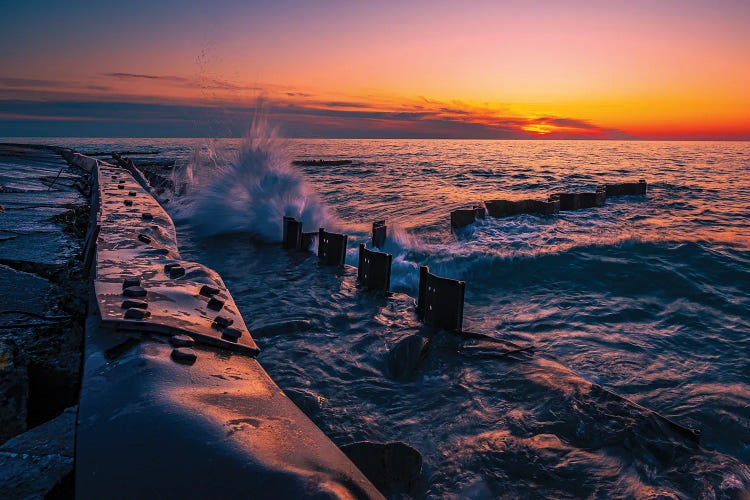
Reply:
x=440, y=303
x=505, y=208
x=291, y=237
x=580, y=200
x=331, y=248
x=627, y=188
x=374, y=269
x=379, y=233
x=462, y=218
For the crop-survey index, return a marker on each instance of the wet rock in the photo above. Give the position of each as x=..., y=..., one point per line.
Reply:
x=75, y=220
x=404, y=358
x=41, y=273
x=22, y=290
x=292, y=326
x=47, y=271
x=14, y=390
x=56, y=436
x=394, y=468
x=309, y=402
x=36, y=463
x=44, y=248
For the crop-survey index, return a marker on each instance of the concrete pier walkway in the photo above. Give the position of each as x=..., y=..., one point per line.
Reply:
x=177, y=394
x=172, y=400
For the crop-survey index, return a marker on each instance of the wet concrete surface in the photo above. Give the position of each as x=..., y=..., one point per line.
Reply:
x=169, y=410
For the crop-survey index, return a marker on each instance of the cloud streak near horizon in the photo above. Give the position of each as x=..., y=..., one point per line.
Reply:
x=222, y=108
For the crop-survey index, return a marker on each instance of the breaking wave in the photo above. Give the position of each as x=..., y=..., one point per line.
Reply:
x=247, y=191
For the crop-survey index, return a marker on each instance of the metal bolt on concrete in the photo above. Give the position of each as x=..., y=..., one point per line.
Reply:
x=207, y=290
x=181, y=340
x=132, y=281
x=231, y=333
x=138, y=304
x=134, y=291
x=184, y=355
x=215, y=304
x=137, y=313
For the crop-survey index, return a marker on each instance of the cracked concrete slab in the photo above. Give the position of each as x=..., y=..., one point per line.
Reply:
x=33, y=463
x=22, y=291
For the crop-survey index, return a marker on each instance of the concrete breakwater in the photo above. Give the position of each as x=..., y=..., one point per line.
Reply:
x=194, y=397
x=172, y=399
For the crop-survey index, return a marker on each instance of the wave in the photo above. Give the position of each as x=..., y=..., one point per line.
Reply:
x=250, y=190
x=626, y=262
x=247, y=191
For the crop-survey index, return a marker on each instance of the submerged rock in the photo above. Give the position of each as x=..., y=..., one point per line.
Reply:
x=394, y=468
x=406, y=356
x=309, y=402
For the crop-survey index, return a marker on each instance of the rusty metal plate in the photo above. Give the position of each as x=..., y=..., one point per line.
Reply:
x=137, y=241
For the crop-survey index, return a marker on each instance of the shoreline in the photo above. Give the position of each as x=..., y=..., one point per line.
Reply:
x=161, y=413
x=40, y=343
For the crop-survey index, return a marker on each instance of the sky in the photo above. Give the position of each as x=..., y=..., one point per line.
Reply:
x=653, y=70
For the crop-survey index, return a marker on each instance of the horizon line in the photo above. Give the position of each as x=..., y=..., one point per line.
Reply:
x=477, y=139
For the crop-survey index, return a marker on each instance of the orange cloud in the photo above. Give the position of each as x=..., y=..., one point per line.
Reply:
x=315, y=112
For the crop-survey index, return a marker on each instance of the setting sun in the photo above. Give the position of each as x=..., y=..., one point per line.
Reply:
x=539, y=130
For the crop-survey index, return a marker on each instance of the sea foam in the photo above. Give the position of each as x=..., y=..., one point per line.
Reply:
x=249, y=190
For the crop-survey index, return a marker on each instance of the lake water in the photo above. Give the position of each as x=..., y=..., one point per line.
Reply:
x=647, y=297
